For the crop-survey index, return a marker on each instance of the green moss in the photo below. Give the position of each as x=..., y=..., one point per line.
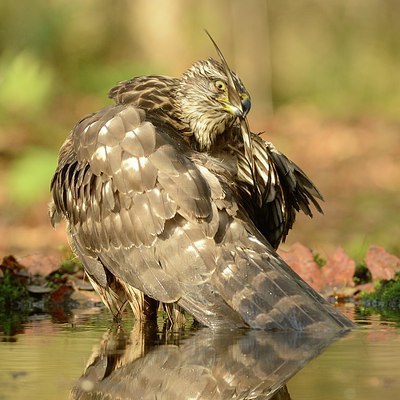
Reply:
x=386, y=294
x=13, y=294
x=71, y=266
x=320, y=261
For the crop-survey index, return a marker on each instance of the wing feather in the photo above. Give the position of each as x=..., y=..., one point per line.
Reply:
x=186, y=252
x=275, y=191
x=129, y=179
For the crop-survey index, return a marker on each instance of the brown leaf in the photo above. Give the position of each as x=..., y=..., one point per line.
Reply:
x=339, y=270
x=11, y=265
x=39, y=264
x=301, y=260
x=381, y=264
x=61, y=295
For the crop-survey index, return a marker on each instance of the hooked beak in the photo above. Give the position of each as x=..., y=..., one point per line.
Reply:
x=246, y=105
x=239, y=108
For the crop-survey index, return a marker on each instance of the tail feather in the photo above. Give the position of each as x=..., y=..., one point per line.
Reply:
x=269, y=295
x=252, y=285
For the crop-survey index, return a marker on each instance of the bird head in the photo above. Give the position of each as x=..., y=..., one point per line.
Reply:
x=211, y=97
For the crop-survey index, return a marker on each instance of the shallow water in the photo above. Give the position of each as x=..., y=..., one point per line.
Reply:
x=90, y=358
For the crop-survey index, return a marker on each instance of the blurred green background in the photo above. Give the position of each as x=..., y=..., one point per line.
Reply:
x=324, y=78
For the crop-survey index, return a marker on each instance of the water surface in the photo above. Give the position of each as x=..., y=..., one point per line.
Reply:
x=88, y=357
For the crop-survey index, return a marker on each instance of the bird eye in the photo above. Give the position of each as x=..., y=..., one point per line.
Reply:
x=220, y=85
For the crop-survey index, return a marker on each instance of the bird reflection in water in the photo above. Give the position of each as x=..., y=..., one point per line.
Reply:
x=196, y=364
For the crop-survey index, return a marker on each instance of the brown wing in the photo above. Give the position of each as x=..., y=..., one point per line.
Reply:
x=126, y=182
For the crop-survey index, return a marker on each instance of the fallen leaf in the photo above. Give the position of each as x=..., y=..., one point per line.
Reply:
x=339, y=270
x=11, y=264
x=39, y=264
x=301, y=260
x=61, y=295
x=381, y=264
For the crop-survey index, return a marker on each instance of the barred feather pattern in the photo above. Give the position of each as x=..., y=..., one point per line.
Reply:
x=151, y=217
x=281, y=189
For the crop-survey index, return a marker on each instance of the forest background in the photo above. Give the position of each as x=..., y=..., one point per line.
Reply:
x=324, y=79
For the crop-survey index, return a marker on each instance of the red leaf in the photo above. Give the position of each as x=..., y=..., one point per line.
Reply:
x=381, y=264
x=13, y=267
x=339, y=270
x=11, y=264
x=301, y=260
x=61, y=295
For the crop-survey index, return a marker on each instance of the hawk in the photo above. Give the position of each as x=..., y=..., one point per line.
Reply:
x=170, y=198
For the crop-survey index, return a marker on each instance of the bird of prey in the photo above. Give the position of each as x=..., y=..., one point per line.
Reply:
x=170, y=198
